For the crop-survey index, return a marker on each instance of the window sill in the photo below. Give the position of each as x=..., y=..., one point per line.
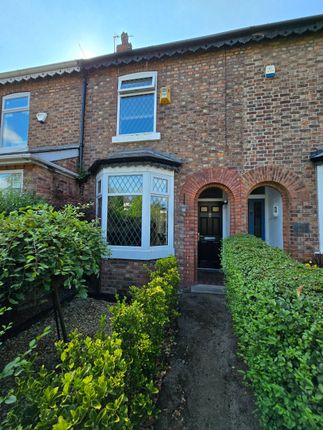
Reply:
x=134, y=253
x=13, y=150
x=137, y=137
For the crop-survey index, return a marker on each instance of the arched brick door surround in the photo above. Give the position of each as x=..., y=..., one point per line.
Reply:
x=228, y=180
x=238, y=188
x=291, y=188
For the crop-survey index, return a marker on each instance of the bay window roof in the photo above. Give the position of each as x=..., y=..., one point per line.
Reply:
x=136, y=156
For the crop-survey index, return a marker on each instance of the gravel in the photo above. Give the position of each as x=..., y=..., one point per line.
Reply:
x=79, y=314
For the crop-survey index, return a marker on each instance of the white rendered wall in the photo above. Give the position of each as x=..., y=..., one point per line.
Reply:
x=274, y=224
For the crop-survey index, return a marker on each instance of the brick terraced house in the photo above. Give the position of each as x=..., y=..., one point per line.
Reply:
x=180, y=145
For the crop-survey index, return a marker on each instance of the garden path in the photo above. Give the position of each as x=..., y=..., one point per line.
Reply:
x=203, y=388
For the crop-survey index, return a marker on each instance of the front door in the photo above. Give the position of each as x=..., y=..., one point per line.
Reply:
x=256, y=215
x=210, y=234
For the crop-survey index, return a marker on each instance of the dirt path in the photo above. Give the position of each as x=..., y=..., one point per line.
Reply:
x=203, y=389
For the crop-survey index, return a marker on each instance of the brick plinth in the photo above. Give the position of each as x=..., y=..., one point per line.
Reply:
x=117, y=275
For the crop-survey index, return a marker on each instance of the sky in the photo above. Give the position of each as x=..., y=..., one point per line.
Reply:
x=38, y=32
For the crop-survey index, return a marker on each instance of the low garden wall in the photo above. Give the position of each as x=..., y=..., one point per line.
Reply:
x=276, y=306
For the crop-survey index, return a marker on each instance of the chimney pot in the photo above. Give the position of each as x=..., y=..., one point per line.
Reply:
x=125, y=45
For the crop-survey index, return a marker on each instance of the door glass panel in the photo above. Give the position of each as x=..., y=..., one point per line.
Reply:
x=257, y=218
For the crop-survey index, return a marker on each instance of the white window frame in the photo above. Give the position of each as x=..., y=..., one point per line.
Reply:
x=145, y=251
x=129, y=92
x=2, y=172
x=319, y=175
x=6, y=149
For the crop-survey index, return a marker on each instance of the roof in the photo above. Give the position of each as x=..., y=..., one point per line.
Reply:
x=137, y=156
x=255, y=34
x=316, y=155
x=243, y=36
x=49, y=70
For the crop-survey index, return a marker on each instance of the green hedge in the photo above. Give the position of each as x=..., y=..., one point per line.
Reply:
x=12, y=200
x=276, y=306
x=106, y=382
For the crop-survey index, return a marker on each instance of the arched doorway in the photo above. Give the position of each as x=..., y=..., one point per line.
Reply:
x=213, y=226
x=265, y=215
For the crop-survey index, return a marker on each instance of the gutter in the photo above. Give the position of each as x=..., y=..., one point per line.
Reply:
x=48, y=70
x=242, y=36
x=28, y=158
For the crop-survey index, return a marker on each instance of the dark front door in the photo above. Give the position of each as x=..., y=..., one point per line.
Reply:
x=210, y=234
x=256, y=215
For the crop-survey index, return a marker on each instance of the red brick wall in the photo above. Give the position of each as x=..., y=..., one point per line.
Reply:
x=56, y=188
x=60, y=97
x=231, y=127
x=117, y=275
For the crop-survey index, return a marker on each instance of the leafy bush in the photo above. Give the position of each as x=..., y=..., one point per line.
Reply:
x=39, y=243
x=86, y=391
x=277, y=312
x=141, y=326
x=106, y=382
x=12, y=200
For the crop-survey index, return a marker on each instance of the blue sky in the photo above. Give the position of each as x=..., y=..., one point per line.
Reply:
x=37, y=32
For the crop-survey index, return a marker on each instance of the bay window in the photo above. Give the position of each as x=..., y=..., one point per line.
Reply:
x=135, y=205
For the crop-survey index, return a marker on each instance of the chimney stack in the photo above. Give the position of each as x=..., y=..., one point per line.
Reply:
x=125, y=45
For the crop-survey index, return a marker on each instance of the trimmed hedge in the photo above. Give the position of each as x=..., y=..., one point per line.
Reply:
x=276, y=307
x=106, y=382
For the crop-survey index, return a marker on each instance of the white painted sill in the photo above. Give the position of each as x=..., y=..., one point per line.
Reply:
x=134, y=253
x=12, y=150
x=137, y=137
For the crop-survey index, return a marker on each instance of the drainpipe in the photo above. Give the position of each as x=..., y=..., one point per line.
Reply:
x=82, y=119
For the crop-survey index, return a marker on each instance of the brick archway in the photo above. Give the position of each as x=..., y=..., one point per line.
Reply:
x=226, y=179
x=288, y=184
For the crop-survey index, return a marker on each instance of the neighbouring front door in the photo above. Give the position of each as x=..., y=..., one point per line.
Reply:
x=256, y=215
x=210, y=234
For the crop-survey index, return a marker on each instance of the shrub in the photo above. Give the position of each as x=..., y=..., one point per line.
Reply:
x=39, y=243
x=141, y=326
x=86, y=391
x=276, y=309
x=106, y=382
x=12, y=200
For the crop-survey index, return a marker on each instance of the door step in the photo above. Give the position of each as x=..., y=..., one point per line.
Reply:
x=208, y=289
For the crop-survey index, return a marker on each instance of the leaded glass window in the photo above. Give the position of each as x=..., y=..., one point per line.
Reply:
x=136, y=114
x=15, y=121
x=137, y=103
x=158, y=220
x=125, y=184
x=124, y=225
x=124, y=220
x=137, y=211
x=160, y=185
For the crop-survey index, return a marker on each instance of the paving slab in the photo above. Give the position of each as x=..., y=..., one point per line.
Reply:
x=207, y=289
